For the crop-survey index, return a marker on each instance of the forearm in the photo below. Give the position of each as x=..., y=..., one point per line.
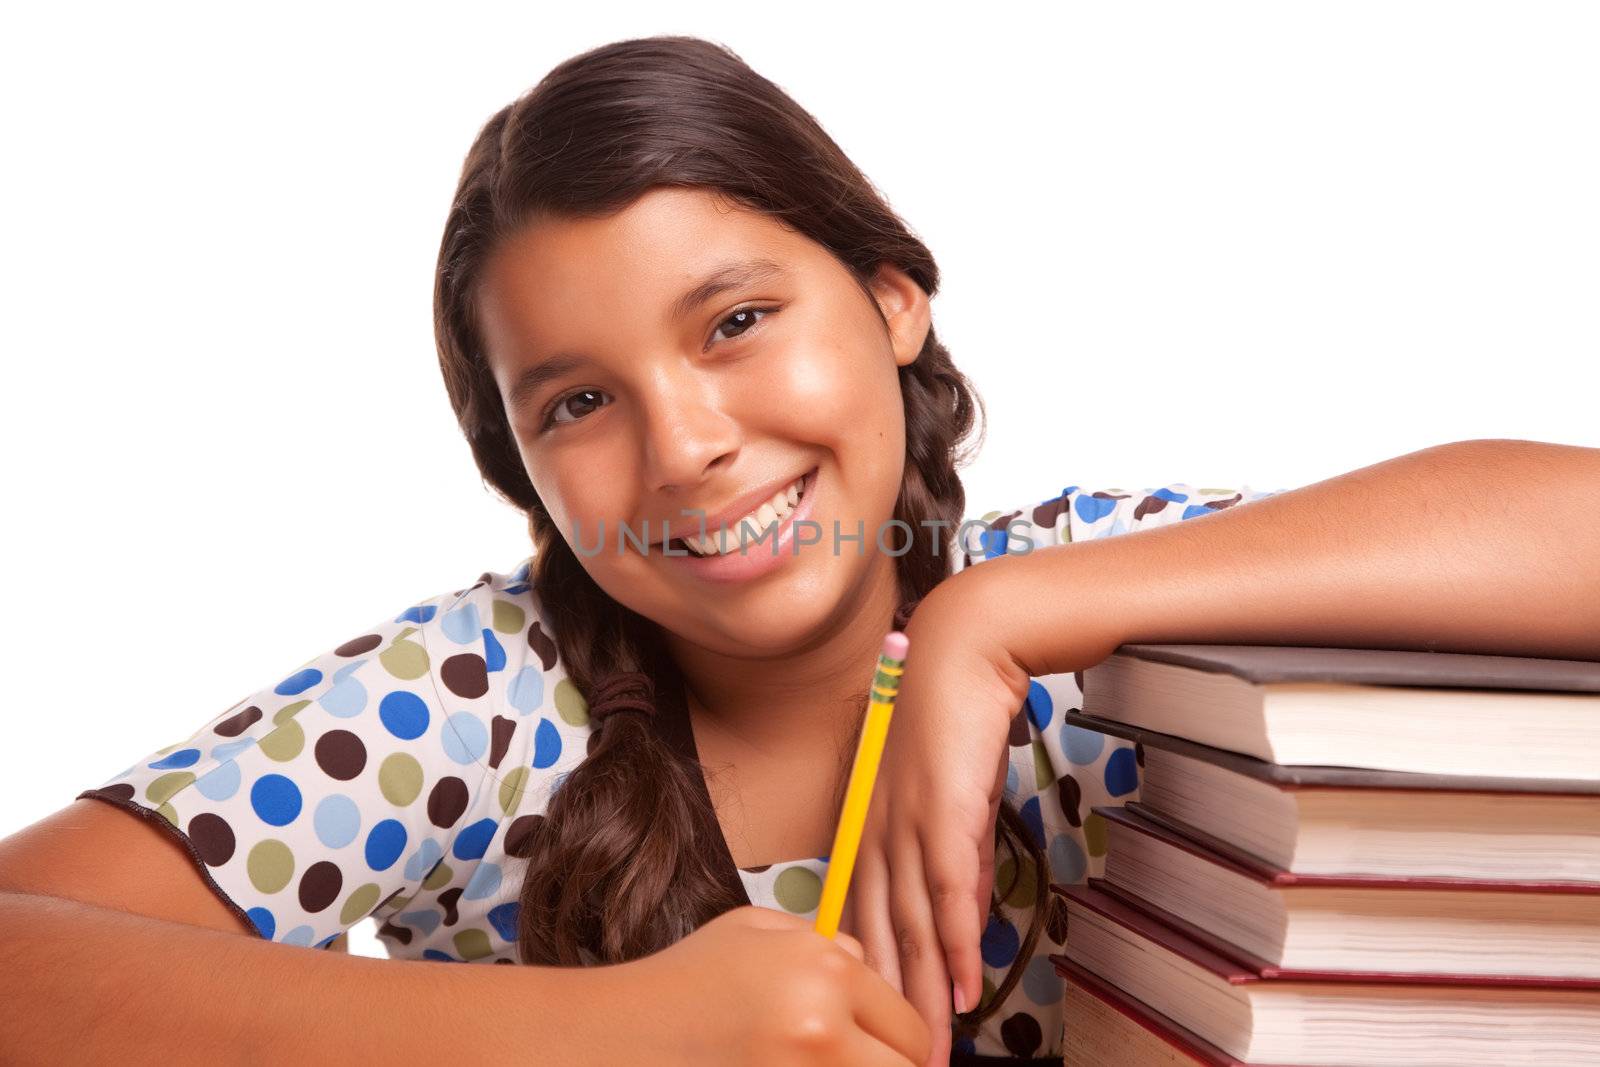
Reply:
x=1476, y=546
x=94, y=985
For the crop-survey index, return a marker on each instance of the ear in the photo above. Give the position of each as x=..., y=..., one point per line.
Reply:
x=905, y=311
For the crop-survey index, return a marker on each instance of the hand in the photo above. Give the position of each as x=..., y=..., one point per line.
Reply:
x=920, y=893
x=755, y=985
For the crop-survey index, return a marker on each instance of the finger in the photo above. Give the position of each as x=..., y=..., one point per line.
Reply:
x=927, y=983
x=868, y=906
x=890, y=1019
x=985, y=887
x=952, y=872
x=860, y=1047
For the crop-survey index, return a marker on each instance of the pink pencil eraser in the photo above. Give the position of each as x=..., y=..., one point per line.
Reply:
x=895, y=645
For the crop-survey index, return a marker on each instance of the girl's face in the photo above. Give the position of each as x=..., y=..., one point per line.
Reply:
x=636, y=392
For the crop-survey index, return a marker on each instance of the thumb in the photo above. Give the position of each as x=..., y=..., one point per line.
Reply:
x=850, y=945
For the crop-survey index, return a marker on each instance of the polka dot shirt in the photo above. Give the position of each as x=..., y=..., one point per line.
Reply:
x=397, y=776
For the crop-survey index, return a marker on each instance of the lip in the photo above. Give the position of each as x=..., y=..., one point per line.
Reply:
x=753, y=559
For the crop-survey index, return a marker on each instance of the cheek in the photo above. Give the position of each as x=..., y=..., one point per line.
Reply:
x=836, y=395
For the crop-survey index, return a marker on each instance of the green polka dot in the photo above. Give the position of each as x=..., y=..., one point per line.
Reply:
x=570, y=705
x=284, y=743
x=1027, y=884
x=472, y=944
x=1204, y=492
x=1094, y=833
x=359, y=904
x=507, y=617
x=169, y=813
x=163, y=788
x=400, y=778
x=404, y=658
x=512, y=787
x=798, y=890
x=270, y=865
x=440, y=877
x=1043, y=774
x=288, y=711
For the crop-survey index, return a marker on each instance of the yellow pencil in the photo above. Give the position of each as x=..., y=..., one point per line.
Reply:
x=863, y=773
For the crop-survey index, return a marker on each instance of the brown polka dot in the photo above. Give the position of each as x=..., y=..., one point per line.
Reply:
x=1046, y=514
x=483, y=579
x=757, y=870
x=357, y=645
x=341, y=754
x=1021, y=1034
x=542, y=646
x=236, y=724
x=212, y=837
x=399, y=933
x=320, y=885
x=502, y=959
x=465, y=675
x=122, y=791
x=500, y=730
x=447, y=901
x=1070, y=796
x=1019, y=728
x=1077, y=676
x=446, y=801
x=519, y=835
x=1138, y=753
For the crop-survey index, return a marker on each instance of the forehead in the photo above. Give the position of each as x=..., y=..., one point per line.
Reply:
x=556, y=281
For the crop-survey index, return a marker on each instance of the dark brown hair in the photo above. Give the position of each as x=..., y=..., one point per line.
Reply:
x=622, y=863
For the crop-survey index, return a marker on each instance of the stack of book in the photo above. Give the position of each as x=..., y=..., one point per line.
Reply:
x=1342, y=856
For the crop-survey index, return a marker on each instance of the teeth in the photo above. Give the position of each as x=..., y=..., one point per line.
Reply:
x=775, y=510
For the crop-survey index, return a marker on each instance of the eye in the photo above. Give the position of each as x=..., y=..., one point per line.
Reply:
x=561, y=406
x=746, y=321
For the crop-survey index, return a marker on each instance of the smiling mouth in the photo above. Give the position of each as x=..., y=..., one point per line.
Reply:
x=731, y=537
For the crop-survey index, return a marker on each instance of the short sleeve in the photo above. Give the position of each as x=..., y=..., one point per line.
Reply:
x=333, y=793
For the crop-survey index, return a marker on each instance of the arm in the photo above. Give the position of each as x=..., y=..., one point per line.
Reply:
x=1488, y=546
x=88, y=984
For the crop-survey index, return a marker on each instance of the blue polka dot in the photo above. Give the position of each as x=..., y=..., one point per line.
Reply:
x=347, y=698
x=473, y=841
x=337, y=820
x=1040, y=707
x=1013, y=779
x=422, y=860
x=275, y=799
x=427, y=920
x=485, y=881
x=230, y=749
x=465, y=738
x=1195, y=509
x=526, y=691
x=963, y=1044
x=462, y=625
x=263, y=921
x=546, y=744
x=1093, y=508
x=325, y=942
x=420, y=613
x=1081, y=746
x=1041, y=982
x=184, y=757
x=221, y=782
x=503, y=918
x=385, y=843
x=404, y=714
x=300, y=935
x=435, y=954
x=1000, y=942
x=1034, y=818
x=1172, y=496
x=298, y=682
x=1122, y=773
x=494, y=653
x=1067, y=861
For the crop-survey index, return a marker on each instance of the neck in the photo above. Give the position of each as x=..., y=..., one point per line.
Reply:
x=803, y=703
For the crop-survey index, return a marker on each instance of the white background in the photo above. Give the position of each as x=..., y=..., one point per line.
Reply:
x=1228, y=244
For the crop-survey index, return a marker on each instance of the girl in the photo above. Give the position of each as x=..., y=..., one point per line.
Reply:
x=666, y=301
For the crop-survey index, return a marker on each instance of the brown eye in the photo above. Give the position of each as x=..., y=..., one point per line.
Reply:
x=745, y=320
x=579, y=400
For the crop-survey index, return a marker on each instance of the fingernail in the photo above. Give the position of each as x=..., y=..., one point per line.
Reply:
x=961, y=1001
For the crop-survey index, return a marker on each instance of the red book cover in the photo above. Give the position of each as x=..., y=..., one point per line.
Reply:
x=1235, y=966
x=1225, y=854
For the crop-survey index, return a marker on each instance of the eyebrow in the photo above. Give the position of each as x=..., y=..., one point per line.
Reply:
x=723, y=277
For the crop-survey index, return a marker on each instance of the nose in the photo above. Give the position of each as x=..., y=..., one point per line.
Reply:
x=687, y=430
